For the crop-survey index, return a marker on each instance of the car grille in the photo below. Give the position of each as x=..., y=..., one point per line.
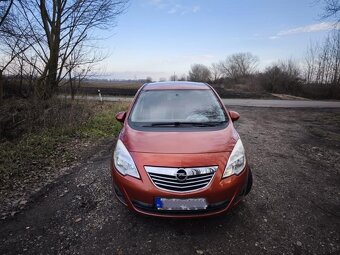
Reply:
x=181, y=179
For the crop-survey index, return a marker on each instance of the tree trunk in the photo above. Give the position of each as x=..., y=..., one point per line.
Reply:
x=73, y=90
x=1, y=88
x=39, y=88
x=51, y=81
x=47, y=83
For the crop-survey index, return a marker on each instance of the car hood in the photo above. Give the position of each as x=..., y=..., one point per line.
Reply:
x=179, y=142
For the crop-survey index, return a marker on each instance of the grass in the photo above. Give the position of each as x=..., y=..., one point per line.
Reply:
x=31, y=150
x=52, y=147
x=101, y=125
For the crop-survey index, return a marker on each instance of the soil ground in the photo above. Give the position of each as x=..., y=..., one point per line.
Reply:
x=294, y=207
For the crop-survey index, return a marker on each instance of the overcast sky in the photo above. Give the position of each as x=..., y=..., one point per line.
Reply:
x=160, y=37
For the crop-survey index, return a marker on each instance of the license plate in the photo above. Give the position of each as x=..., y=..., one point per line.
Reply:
x=181, y=204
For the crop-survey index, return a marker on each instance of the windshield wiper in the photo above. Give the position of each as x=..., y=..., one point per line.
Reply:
x=161, y=124
x=177, y=123
x=205, y=124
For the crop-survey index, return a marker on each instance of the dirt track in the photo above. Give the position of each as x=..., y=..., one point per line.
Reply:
x=294, y=207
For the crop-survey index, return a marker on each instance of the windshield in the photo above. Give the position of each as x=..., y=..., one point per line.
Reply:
x=177, y=107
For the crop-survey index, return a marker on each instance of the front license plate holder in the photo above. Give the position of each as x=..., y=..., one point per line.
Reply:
x=181, y=204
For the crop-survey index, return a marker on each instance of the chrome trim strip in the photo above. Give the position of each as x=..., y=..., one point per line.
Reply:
x=182, y=183
x=198, y=177
x=191, y=171
x=167, y=185
x=163, y=177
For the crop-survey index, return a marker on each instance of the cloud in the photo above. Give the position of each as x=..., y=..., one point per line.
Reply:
x=172, y=7
x=156, y=1
x=124, y=75
x=160, y=4
x=323, y=26
x=196, y=8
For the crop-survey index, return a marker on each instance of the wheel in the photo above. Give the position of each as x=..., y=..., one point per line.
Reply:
x=250, y=182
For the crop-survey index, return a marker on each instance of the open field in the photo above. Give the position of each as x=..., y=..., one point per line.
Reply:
x=130, y=89
x=119, y=85
x=292, y=209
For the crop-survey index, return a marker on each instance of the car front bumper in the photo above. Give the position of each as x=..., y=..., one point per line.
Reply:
x=139, y=195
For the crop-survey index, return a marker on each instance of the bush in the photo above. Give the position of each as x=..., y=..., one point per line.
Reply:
x=49, y=135
x=20, y=116
x=281, y=78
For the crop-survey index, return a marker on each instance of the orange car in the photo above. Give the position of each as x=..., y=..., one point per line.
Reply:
x=178, y=153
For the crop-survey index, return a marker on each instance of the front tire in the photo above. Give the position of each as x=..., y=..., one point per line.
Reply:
x=250, y=182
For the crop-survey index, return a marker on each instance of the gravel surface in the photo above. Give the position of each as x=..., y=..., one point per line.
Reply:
x=294, y=207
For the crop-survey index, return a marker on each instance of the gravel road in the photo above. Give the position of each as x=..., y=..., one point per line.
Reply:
x=294, y=207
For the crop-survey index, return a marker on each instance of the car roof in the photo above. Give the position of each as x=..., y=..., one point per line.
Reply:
x=170, y=85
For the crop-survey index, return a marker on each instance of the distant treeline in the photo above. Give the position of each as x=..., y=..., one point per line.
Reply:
x=317, y=76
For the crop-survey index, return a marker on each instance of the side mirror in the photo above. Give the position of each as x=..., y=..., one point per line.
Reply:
x=234, y=115
x=121, y=116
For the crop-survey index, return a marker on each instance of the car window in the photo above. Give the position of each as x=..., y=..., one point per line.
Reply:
x=177, y=106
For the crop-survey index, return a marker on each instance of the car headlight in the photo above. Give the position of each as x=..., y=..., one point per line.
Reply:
x=123, y=161
x=236, y=161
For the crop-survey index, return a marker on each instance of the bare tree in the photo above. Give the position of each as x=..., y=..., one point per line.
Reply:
x=5, y=8
x=310, y=60
x=59, y=27
x=239, y=65
x=290, y=68
x=199, y=73
x=332, y=10
x=216, y=71
x=323, y=61
x=148, y=79
x=183, y=77
x=173, y=77
x=282, y=77
x=78, y=65
x=335, y=53
x=14, y=39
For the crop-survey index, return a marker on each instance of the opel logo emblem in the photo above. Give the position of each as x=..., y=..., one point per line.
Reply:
x=181, y=175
